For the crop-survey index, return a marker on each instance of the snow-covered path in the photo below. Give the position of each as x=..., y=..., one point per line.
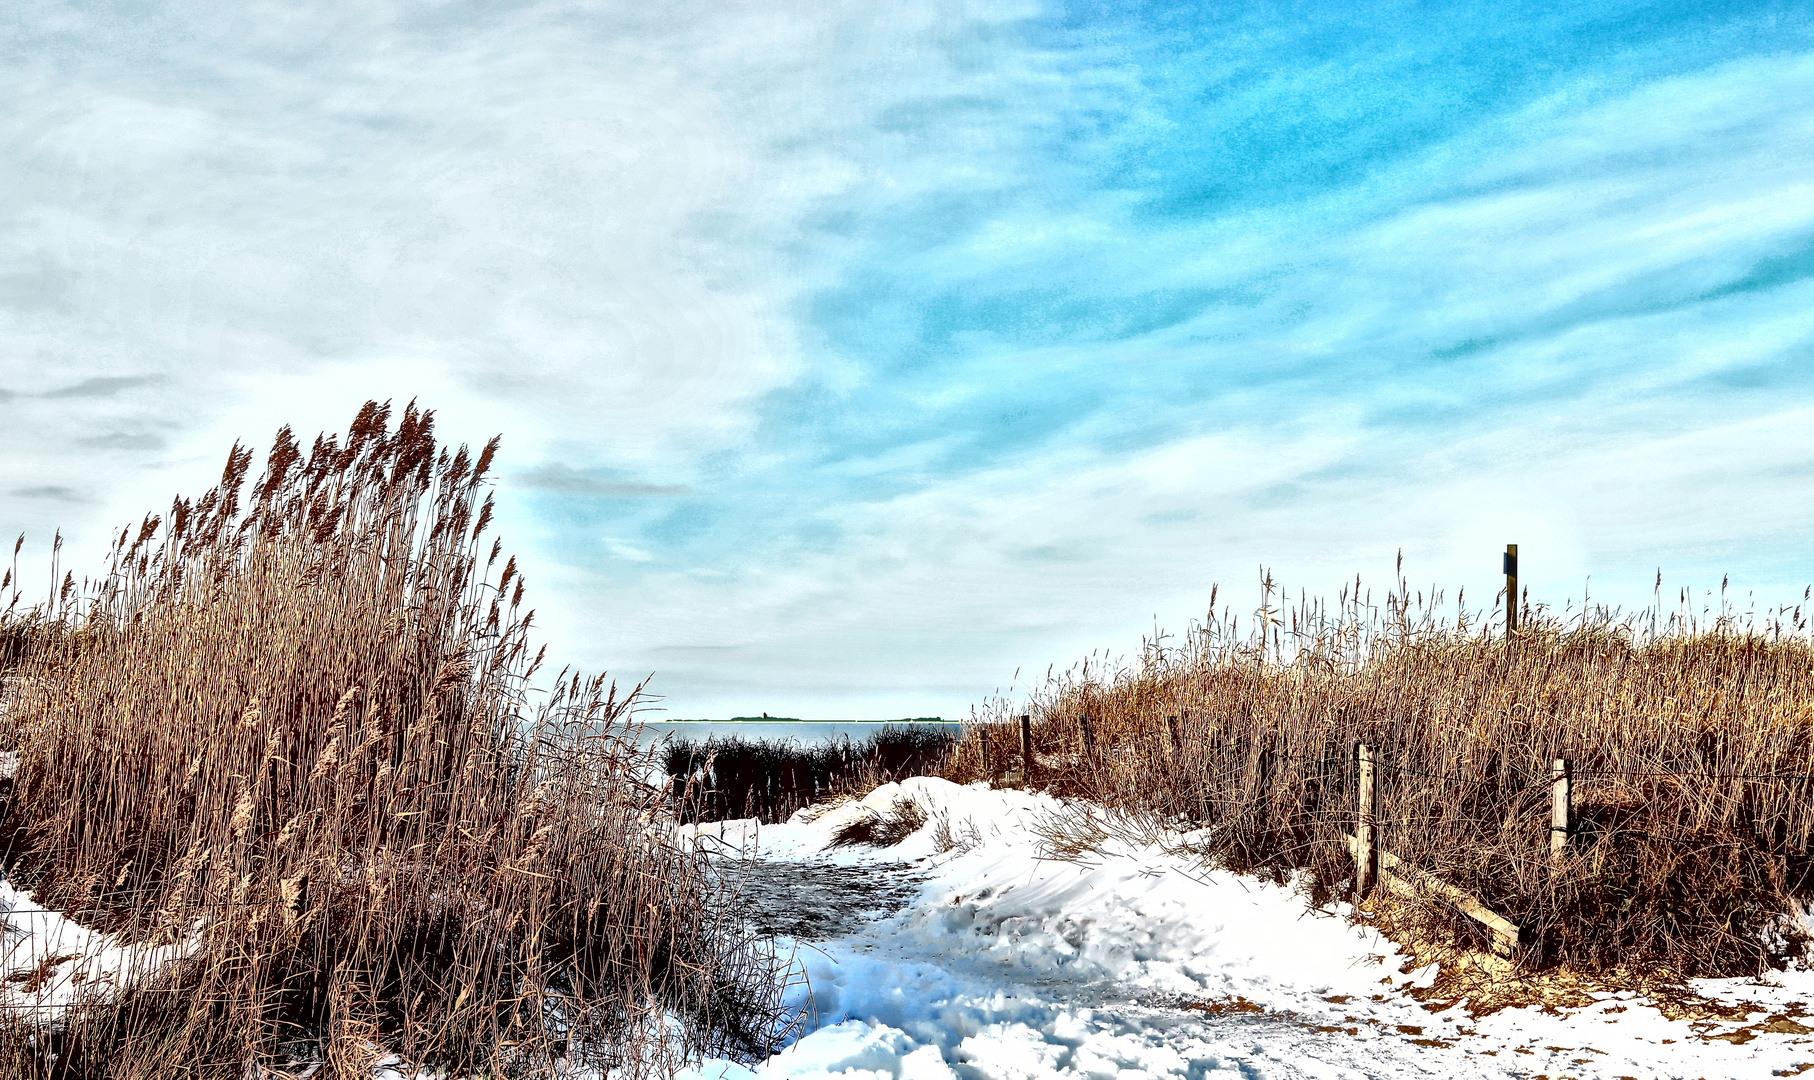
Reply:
x=1001, y=965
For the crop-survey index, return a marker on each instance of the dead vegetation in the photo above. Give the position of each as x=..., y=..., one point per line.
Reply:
x=1691, y=734
x=294, y=729
x=770, y=779
x=904, y=818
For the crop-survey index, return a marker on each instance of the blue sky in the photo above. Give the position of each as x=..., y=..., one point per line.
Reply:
x=851, y=357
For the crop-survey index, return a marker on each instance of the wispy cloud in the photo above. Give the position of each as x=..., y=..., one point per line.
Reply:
x=627, y=552
x=121, y=440
x=51, y=492
x=100, y=387
x=564, y=480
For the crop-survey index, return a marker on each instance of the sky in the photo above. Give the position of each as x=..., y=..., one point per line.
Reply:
x=865, y=360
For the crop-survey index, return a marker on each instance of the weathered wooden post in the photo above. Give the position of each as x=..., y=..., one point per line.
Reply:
x=1177, y=734
x=1511, y=588
x=1089, y=735
x=1026, y=749
x=1366, y=848
x=1561, y=806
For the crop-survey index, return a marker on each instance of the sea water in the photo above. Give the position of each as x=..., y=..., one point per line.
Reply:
x=800, y=731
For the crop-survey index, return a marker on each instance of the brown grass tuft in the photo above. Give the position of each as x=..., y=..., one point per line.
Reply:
x=902, y=820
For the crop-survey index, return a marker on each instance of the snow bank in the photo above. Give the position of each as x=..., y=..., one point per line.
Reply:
x=49, y=963
x=1143, y=965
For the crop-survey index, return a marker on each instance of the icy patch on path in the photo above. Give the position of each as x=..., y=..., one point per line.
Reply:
x=1141, y=965
x=807, y=900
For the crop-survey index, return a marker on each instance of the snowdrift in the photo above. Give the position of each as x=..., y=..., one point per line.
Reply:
x=1141, y=963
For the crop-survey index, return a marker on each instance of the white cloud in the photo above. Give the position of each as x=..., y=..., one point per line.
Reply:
x=1582, y=428
x=627, y=552
x=568, y=222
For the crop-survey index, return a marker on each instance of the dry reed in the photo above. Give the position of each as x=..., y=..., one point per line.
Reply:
x=293, y=731
x=1691, y=736
x=902, y=819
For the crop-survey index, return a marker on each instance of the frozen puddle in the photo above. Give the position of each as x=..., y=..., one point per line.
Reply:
x=987, y=963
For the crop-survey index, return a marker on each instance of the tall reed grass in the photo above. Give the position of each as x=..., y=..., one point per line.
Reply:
x=1691, y=734
x=292, y=728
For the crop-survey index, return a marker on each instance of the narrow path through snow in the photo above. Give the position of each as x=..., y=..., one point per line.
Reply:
x=987, y=963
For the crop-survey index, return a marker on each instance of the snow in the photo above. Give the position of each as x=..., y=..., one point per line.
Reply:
x=1140, y=963
x=1135, y=963
x=49, y=963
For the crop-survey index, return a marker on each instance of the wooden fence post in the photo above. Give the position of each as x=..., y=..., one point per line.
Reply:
x=1561, y=806
x=1026, y=749
x=1366, y=848
x=1511, y=588
x=1089, y=735
x=1171, y=725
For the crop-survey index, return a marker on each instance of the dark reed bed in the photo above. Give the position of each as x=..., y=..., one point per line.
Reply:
x=732, y=777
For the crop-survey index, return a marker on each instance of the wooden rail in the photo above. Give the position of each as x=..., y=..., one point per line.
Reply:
x=1408, y=881
x=1374, y=865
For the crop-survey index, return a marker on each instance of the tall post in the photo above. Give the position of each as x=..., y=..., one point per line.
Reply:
x=1089, y=735
x=1561, y=806
x=1177, y=734
x=1511, y=588
x=1366, y=850
x=1026, y=749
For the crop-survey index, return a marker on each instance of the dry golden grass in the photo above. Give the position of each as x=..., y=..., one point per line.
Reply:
x=1692, y=739
x=294, y=730
x=904, y=818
